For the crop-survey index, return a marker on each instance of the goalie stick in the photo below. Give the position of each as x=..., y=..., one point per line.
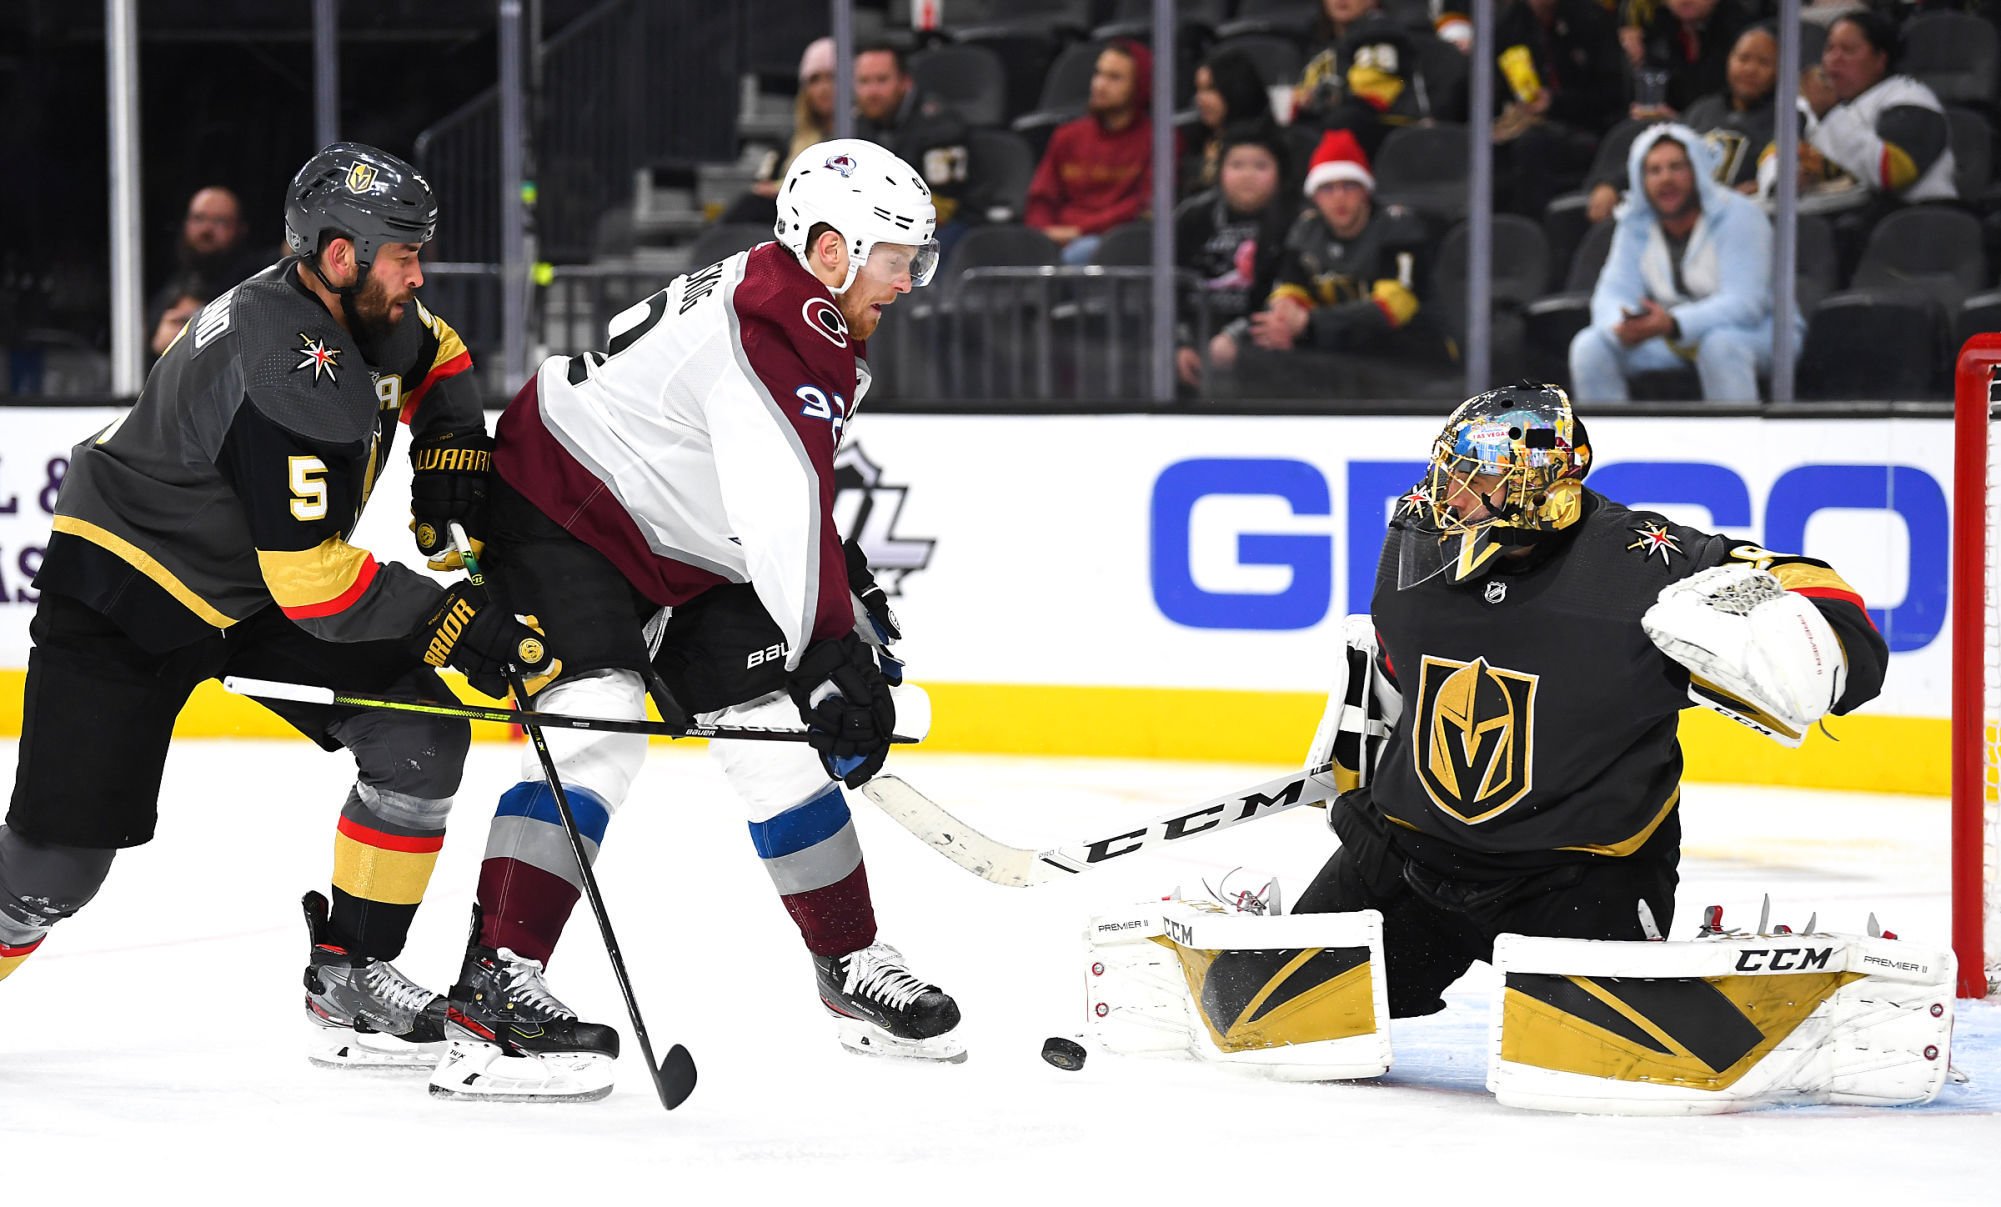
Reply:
x=1020, y=867
x=306, y=693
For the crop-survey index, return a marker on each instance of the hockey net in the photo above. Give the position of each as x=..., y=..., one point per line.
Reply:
x=1976, y=667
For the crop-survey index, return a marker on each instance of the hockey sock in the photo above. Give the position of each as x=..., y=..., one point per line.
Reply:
x=384, y=849
x=529, y=882
x=11, y=957
x=815, y=861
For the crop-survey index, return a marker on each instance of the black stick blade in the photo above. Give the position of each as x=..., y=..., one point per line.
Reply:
x=676, y=1077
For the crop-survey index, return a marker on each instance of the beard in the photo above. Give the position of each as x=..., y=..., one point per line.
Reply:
x=374, y=312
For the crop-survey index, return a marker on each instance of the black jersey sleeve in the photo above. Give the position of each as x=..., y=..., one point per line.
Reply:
x=301, y=496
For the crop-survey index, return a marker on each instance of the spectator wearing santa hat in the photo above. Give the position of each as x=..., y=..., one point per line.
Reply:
x=1098, y=169
x=1346, y=310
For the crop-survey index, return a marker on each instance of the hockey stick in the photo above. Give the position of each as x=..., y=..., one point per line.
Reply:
x=305, y=693
x=1020, y=867
x=675, y=1077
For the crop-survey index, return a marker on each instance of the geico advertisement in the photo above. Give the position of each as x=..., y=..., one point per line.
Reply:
x=1222, y=552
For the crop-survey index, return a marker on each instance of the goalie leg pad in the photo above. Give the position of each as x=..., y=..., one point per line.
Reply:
x=1298, y=998
x=1718, y=1025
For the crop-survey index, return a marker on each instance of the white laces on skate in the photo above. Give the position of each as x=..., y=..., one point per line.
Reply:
x=878, y=971
x=522, y=978
x=388, y=985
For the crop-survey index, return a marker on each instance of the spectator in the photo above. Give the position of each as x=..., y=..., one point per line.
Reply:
x=182, y=298
x=1886, y=132
x=1231, y=236
x=1739, y=121
x=920, y=129
x=213, y=254
x=1098, y=169
x=1347, y=290
x=1360, y=78
x=1228, y=91
x=812, y=122
x=1560, y=83
x=1688, y=279
x=1679, y=49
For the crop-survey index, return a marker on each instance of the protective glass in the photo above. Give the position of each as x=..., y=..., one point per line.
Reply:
x=889, y=261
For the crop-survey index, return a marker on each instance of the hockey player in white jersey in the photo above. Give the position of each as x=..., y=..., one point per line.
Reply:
x=687, y=472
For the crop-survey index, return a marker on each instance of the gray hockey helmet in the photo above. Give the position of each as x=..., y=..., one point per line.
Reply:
x=362, y=193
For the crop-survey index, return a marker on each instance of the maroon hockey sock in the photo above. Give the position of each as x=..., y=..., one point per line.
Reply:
x=837, y=919
x=523, y=908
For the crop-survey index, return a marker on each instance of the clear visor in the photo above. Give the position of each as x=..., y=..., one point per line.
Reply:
x=891, y=263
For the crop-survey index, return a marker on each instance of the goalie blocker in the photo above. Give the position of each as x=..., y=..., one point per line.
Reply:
x=1719, y=1024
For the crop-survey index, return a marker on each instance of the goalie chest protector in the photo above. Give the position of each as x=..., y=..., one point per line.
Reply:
x=1539, y=721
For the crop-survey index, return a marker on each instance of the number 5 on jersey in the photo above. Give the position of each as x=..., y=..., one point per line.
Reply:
x=309, y=489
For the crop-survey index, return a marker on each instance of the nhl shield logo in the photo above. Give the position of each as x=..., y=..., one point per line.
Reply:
x=1495, y=591
x=360, y=178
x=1474, y=741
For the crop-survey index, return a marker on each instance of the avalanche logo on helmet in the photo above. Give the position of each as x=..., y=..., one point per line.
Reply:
x=844, y=164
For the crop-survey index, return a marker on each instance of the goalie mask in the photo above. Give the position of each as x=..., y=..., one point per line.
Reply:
x=1507, y=471
x=870, y=197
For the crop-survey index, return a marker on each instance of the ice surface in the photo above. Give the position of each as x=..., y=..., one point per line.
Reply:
x=153, y=1047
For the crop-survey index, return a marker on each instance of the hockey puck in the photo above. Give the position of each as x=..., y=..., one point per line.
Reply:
x=1065, y=1054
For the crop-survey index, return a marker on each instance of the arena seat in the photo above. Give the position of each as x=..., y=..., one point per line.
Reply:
x=1953, y=54
x=1424, y=167
x=1278, y=59
x=1003, y=165
x=1289, y=17
x=725, y=239
x=1906, y=345
x=970, y=78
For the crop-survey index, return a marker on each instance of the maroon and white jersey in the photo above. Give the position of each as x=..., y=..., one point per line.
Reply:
x=699, y=448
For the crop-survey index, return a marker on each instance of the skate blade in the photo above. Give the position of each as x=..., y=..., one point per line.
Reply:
x=481, y=1072
x=369, y=1051
x=866, y=1039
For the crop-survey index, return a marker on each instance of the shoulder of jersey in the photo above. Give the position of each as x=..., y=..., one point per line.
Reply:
x=778, y=292
x=298, y=363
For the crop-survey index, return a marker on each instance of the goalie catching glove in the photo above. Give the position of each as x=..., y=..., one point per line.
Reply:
x=448, y=483
x=1757, y=653
x=844, y=700
x=483, y=642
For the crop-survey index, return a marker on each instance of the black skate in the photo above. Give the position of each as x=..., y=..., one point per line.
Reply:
x=513, y=1041
x=881, y=1008
x=366, y=1014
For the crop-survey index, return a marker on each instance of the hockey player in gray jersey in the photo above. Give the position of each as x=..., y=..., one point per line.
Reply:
x=206, y=533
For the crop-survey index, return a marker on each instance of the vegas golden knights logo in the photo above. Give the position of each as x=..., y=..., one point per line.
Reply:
x=1474, y=740
x=360, y=178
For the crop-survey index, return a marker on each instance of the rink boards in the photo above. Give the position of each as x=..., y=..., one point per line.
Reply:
x=1173, y=585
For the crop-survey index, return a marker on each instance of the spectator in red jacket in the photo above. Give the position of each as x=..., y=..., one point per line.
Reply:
x=1098, y=170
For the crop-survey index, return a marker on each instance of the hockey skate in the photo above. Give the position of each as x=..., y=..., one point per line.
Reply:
x=365, y=1014
x=881, y=1008
x=513, y=1041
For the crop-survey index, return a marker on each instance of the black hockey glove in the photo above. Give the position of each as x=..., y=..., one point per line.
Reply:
x=448, y=482
x=483, y=641
x=861, y=580
x=845, y=702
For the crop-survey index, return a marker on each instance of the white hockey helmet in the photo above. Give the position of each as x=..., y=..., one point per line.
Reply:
x=864, y=192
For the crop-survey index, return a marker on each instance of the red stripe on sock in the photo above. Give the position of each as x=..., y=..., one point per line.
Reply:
x=523, y=908
x=837, y=919
x=391, y=842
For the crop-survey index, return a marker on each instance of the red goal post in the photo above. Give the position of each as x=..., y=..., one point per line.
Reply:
x=1976, y=671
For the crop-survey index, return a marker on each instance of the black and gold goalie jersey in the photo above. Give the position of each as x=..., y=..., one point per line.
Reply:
x=235, y=480
x=1357, y=290
x=1539, y=720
